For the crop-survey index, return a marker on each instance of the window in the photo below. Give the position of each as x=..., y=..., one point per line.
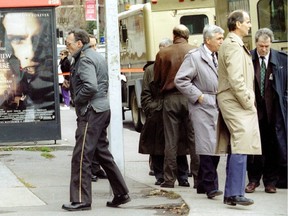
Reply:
x=272, y=14
x=195, y=23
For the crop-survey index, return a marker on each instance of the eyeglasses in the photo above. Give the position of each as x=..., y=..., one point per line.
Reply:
x=67, y=43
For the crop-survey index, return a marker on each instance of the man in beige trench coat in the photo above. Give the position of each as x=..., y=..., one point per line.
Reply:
x=238, y=130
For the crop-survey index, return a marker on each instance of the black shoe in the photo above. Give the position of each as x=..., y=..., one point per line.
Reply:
x=118, y=200
x=76, y=206
x=228, y=202
x=184, y=183
x=166, y=185
x=240, y=200
x=214, y=193
x=101, y=174
x=94, y=178
x=159, y=181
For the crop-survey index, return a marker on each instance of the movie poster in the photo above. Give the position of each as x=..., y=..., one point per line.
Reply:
x=26, y=66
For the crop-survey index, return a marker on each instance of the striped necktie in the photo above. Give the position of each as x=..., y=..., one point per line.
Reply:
x=262, y=75
x=214, y=60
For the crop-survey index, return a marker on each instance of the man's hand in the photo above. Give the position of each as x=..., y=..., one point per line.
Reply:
x=201, y=98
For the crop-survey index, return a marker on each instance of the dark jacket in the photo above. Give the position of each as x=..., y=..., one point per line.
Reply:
x=90, y=81
x=167, y=63
x=65, y=66
x=278, y=65
x=152, y=139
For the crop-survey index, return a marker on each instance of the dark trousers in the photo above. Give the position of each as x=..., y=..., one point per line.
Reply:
x=95, y=166
x=175, y=117
x=91, y=138
x=182, y=167
x=265, y=165
x=207, y=174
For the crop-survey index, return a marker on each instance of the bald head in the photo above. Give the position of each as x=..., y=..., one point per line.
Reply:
x=181, y=31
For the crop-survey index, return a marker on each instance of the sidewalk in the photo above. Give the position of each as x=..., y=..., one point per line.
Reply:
x=32, y=185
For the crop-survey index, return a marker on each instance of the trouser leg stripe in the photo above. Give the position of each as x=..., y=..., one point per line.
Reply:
x=81, y=162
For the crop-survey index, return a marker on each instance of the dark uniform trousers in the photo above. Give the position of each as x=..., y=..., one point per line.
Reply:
x=91, y=138
x=175, y=117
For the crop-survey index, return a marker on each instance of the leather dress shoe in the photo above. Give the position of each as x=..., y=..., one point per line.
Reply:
x=94, y=178
x=270, y=189
x=101, y=174
x=240, y=200
x=213, y=193
x=228, y=202
x=159, y=181
x=167, y=185
x=184, y=183
x=76, y=206
x=118, y=200
x=251, y=186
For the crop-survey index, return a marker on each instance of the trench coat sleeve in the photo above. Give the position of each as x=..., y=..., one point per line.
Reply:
x=184, y=77
x=236, y=76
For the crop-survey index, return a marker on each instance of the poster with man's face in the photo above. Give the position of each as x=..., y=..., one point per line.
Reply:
x=26, y=66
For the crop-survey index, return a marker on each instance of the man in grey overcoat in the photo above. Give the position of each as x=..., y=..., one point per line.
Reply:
x=197, y=79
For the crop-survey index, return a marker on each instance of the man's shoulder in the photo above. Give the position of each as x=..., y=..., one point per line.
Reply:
x=278, y=53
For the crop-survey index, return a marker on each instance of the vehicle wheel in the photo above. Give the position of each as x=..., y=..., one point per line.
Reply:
x=136, y=113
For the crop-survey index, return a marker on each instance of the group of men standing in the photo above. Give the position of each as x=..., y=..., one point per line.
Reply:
x=206, y=102
x=236, y=105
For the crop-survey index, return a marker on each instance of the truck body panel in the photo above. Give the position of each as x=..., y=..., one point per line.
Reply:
x=142, y=28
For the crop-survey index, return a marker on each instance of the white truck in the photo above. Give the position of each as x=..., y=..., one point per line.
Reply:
x=141, y=28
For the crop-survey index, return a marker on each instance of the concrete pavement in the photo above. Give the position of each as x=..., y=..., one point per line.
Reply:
x=33, y=185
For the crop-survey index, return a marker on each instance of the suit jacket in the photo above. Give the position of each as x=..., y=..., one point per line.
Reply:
x=238, y=122
x=196, y=76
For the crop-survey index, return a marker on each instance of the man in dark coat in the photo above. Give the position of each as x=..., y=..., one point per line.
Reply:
x=90, y=83
x=175, y=105
x=272, y=115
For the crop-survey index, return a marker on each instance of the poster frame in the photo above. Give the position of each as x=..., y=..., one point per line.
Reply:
x=37, y=130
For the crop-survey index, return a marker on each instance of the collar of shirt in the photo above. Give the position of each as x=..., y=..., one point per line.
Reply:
x=265, y=59
x=209, y=53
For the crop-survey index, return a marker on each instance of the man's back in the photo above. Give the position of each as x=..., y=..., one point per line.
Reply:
x=167, y=63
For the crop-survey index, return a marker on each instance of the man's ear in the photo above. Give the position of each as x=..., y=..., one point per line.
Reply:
x=238, y=24
x=79, y=43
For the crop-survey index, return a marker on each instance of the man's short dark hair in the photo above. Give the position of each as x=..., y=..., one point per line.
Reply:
x=93, y=36
x=80, y=34
x=234, y=16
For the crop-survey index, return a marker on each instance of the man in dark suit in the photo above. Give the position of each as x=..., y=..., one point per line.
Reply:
x=271, y=96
